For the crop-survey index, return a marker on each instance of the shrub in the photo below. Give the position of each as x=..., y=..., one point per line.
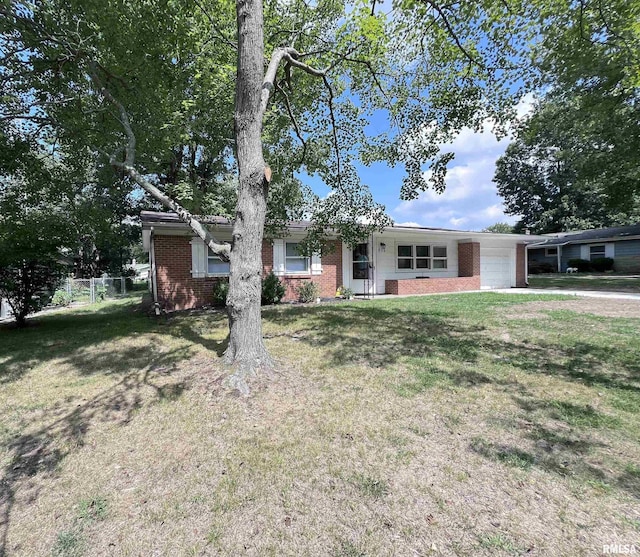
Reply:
x=582, y=265
x=308, y=291
x=101, y=293
x=220, y=292
x=28, y=285
x=272, y=290
x=347, y=293
x=537, y=267
x=602, y=264
x=61, y=298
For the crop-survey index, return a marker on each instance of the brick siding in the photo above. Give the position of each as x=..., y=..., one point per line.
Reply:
x=431, y=285
x=469, y=259
x=521, y=270
x=178, y=290
x=468, y=279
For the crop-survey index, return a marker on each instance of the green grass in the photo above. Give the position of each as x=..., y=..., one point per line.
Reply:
x=389, y=426
x=68, y=544
x=371, y=487
x=587, y=281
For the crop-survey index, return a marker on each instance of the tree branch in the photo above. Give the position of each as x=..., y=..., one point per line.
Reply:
x=214, y=26
x=334, y=127
x=221, y=249
x=293, y=121
x=440, y=11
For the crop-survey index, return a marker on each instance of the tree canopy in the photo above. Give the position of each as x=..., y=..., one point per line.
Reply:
x=152, y=89
x=575, y=161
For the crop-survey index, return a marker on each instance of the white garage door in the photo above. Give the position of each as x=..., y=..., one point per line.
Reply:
x=495, y=268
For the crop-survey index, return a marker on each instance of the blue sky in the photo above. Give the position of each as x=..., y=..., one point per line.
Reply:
x=470, y=201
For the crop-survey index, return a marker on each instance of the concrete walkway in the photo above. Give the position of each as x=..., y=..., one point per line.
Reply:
x=583, y=293
x=563, y=292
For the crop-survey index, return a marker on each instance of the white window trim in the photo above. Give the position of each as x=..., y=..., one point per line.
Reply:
x=547, y=254
x=414, y=257
x=212, y=256
x=604, y=251
x=287, y=257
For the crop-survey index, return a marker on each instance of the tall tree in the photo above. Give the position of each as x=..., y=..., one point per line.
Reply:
x=499, y=228
x=153, y=84
x=575, y=162
x=33, y=228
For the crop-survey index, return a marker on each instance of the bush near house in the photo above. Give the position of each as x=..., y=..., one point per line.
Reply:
x=272, y=290
x=308, y=291
x=220, y=291
x=61, y=298
x=537, y=267
x=583, y=265
x=602, y=264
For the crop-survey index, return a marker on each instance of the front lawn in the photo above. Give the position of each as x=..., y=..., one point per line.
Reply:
x=587, y=281
x=470, y=424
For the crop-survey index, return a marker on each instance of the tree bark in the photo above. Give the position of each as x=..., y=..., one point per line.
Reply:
x=246, y=348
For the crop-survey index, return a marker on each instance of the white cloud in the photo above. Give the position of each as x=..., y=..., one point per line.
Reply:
x=459, y=221
x=408, y=224
x=525, y=106
x=470, y=200
x=494, y=211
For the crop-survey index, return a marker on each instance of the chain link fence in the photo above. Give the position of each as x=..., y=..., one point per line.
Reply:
x=92, y=289
x=87, y=291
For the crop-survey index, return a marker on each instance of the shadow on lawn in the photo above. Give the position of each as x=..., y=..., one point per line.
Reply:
x=40, y=452
x=381, y=337
x=72, y=336
x=376, y=336
x=74, y=339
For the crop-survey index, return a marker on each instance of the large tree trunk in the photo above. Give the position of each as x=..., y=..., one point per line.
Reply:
x=246, y=348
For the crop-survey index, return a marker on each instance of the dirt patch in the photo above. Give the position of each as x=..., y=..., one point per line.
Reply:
x=606, y=307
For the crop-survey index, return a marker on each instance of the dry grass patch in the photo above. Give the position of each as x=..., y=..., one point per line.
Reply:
x=430, y=426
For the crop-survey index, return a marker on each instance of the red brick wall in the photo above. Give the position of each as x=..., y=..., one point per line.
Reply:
x=521, y=270
x=177, y=289
x=469, y=259
x=431, y=285
x=329, y=280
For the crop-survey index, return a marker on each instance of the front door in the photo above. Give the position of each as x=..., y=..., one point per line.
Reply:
x=361, y=269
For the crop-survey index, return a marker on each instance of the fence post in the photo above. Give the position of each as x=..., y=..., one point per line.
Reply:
x=92, y=289
x=124, y=285
x=69, y=286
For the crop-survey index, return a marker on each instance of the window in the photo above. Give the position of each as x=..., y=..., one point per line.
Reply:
x=405, y=257
x=421, y=257
x=440, y=257
x=361, y=262
x=596, y=252
x=423, y=254
x=215, y=265
x=551, y=252
x=294, y=262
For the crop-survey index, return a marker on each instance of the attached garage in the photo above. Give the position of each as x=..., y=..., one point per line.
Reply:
x=497, y=268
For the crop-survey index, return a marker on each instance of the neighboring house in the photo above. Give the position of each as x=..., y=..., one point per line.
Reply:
x=622, y=244
x=141, y=270
x=399, y=260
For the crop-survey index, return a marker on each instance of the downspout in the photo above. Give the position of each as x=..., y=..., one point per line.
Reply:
x=526, y=266
x=154, y=281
